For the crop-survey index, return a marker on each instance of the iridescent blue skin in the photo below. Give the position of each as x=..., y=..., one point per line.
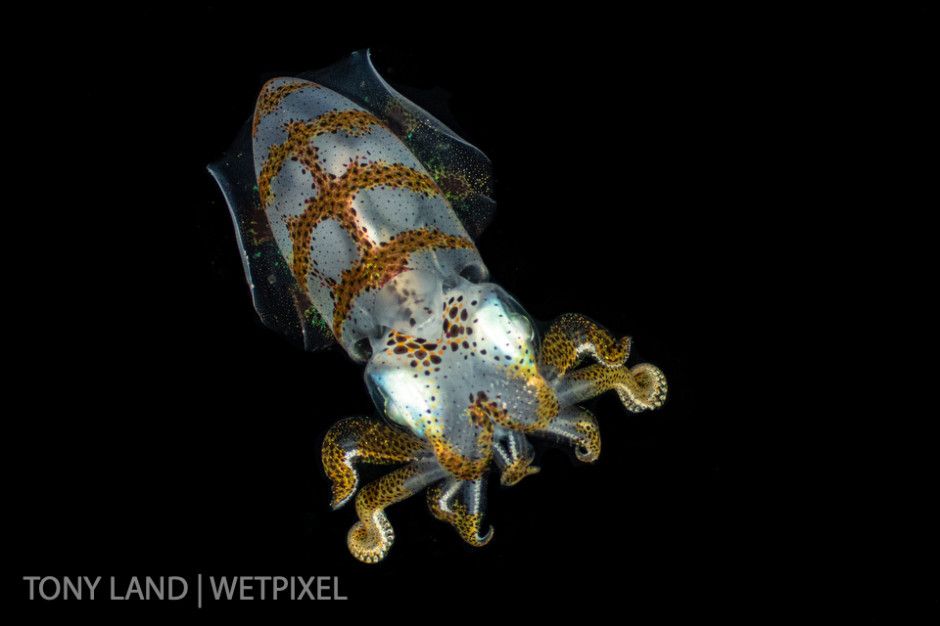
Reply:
x=361, y=231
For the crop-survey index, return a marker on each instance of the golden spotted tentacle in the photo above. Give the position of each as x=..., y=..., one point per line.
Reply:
x=578, y=427
x=513, y=454
x=460, y=504
x=468, y=465
x=516, y=471
x=371, y=537
x=640, y=388
x=644, y=389
x=360, y=439
x=573, y=336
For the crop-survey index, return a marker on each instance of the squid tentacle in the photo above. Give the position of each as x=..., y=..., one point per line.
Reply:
x=578, y=427
x=362, y=439
x=644, y=389
x=640, y=388
x=572, y=336
x=370, y=538
x=513, y=454
x=460, y=504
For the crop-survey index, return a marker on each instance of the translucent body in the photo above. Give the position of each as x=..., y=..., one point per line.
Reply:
x=347, y=232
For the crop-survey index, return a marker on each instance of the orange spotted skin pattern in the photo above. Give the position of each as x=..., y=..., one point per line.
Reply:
x=460, y=377
x=324, y=167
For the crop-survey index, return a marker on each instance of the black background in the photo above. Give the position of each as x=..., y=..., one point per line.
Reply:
x=642, y=171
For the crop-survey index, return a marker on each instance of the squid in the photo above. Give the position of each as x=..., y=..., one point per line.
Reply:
x=356, y=214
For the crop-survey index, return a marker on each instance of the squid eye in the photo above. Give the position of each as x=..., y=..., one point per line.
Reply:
x=383, y=402
x=522, y=326
x=399, y=398
x=519, y=321
x=362, y=351
x=395, y=413
x=474, y=274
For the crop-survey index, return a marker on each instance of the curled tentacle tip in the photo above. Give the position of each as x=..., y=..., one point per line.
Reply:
x=510, y=478
x=368, y=546
x=654, y=383
x=647, y=390
x=586, y=456
x=369, y=558
x=479, y=541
